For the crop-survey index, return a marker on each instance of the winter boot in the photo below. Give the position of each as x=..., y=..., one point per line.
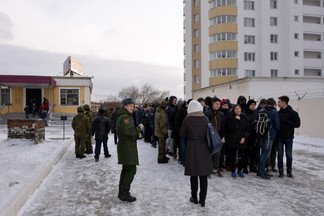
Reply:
x=241, y=174
x=126, y=196
x=194, y=200
x=281, y=174
x=289, y=174
x=120, y=192
x=234, y=175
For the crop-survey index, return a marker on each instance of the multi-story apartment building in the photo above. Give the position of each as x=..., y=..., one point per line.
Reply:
x=225, y=40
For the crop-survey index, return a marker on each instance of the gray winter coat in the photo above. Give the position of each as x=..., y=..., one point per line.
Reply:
x=198, y=161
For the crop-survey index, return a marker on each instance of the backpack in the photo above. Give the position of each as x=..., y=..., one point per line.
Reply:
x=262, y=122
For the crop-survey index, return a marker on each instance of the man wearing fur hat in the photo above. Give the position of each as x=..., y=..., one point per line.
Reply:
x=81, y=127
x=127, y=148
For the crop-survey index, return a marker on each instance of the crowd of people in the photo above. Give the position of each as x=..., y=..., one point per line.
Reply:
x=36, y=107
x=254, y=136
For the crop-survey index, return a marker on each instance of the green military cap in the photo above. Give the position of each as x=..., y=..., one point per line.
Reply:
x=80, y=109
x=86, y=107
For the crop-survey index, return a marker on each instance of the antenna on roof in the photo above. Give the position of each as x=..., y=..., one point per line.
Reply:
x=300, y=98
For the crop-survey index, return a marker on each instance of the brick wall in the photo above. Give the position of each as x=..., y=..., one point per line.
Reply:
x=26, y=129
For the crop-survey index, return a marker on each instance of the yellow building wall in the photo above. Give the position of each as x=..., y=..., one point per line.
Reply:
x=223, y=63
x=221, y=79
x=224, y=10
x=17, y=101
x=223, y=45
x=67, y=109
x=223, y=27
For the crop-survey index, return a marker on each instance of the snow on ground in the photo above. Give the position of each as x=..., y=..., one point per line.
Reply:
x=21, y=160
x=84, y=187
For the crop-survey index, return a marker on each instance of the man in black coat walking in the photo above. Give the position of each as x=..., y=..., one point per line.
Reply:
x=289, y=120
x=100, y=128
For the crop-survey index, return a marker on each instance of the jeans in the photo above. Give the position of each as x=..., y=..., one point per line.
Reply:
x=98, y=147
x=169, y=141
x=266, y=146
x=288, y=143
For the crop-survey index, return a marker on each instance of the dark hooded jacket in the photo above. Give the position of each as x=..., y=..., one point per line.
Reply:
x=241, y=100
x=289, y=120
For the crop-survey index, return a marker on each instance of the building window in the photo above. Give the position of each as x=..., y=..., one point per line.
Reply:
x=223, y=36
x=273, y=38
x=249, y=22
x=296, y=18
x=249, y=39
x=219, y=3
x=274, y=72
x=196, y=33
x=248, y=5
x=273, y=4
x=296, y=35
x=273, y=21
x=296, y=1
x=249, y=56
x=5, y=96
x=196, y=63
x=273, y=56
x=196, y=48
x=223, y=72
x=196, y=18
x=196, y=78
x=69, y=97
x=296, y=72
x=249, y=73
x=223, y=54
x=222, y=19
x=296, y=54
x=196, y=3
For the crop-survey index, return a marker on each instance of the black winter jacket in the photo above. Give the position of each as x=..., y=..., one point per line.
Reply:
x=289, y=120
x=235, y=131
x=100, y=127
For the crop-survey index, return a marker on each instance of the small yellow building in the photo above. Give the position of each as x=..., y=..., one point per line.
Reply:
x=64, y=93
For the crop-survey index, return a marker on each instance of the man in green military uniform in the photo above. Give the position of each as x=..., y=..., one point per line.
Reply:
x=81, y=127
x=127, y=148
x=161, y=130
x=89, y=114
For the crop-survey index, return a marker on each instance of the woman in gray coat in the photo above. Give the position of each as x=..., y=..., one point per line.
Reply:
x=198, y=162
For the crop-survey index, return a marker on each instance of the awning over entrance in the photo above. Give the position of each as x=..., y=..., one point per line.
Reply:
x=26, y=81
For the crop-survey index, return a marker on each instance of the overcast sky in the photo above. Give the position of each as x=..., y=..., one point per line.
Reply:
x=119, y=42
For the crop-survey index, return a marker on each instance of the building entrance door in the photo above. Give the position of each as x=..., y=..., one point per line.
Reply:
x=33, y=98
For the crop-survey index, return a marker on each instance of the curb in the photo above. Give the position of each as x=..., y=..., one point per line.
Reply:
x=13, y=206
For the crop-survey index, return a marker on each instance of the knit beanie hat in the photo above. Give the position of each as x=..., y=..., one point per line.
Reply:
x=194, y=106
x=128, y=101
x=225, y=101
x=251, y=102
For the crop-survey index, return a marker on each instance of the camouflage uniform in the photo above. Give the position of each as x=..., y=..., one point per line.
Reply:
x=88, y=141
x=81, y=127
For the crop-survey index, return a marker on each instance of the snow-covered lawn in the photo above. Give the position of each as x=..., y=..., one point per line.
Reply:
x=84, y=187
x=22, y=162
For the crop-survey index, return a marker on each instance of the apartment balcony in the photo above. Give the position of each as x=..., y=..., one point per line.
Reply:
x=312, y=19
x=312, y=72
x=312, y=2
x=313, y=63
x=312, y=54
x=312, y=45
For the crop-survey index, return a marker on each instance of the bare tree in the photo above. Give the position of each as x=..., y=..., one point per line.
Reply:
x=129, y=92
x=146, y=94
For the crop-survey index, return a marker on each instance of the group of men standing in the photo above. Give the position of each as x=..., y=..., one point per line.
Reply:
x=236, y=126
